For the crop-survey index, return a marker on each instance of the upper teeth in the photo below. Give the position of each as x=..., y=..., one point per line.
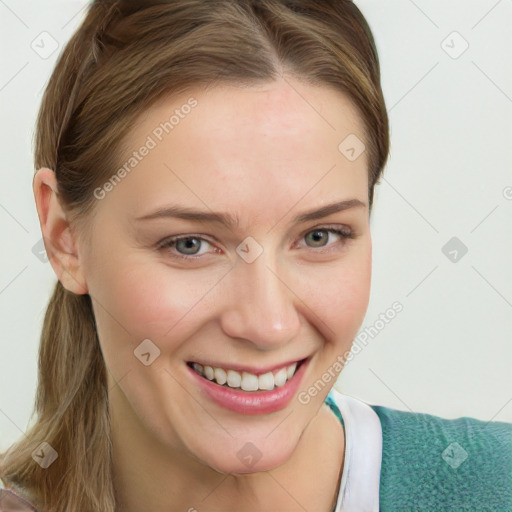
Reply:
x=245, y=380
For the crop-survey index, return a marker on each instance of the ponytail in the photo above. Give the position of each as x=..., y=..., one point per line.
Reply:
x=72, y=410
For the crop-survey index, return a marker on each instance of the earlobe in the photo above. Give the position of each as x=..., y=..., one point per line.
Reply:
x=59, y=239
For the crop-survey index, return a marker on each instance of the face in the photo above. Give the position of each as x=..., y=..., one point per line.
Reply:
x=244, y=301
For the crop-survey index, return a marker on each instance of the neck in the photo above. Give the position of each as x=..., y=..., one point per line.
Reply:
x=147, y=476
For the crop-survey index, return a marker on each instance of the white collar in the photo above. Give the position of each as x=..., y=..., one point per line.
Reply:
x=360, y=481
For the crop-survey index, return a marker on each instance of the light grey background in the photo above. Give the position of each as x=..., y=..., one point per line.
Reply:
x=449, y=351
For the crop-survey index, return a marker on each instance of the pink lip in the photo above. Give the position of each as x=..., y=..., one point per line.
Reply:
x=251, y=402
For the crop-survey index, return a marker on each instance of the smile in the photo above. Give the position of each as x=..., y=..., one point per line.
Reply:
x=249, y=392
x=247, y=381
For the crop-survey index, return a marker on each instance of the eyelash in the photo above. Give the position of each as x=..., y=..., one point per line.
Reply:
x=168, y=243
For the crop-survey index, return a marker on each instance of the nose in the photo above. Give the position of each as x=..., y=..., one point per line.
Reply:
x=261, y=307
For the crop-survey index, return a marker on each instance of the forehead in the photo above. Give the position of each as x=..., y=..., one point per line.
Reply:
x=233, y=146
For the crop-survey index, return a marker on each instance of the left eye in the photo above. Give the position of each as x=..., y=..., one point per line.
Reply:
x=320, y=235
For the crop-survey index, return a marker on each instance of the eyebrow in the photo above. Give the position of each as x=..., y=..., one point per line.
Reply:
x=232, y=222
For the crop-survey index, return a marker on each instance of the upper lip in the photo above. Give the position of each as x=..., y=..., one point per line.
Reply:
x=257, y=370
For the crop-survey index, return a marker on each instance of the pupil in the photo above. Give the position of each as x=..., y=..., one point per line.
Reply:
x=318, y=235
x=190, y=243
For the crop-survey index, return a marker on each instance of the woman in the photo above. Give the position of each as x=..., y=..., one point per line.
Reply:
x=204, y=185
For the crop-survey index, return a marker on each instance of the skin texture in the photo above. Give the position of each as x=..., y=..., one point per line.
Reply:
x=264, y=154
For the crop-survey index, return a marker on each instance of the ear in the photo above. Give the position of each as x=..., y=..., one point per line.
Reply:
x=59, y=240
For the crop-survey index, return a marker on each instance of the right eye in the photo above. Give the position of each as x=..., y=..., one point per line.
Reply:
x=186, y=246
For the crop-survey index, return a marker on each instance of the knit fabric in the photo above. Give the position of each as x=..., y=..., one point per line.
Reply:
x=430, y=463
x=443, y=465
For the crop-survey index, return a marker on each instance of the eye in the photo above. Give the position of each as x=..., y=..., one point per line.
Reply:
x=186, y=246
x=320, y=236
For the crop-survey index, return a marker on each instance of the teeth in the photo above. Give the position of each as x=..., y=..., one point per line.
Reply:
x=208, y=372
x=280, y=378
x=220, y=376
x=245, y=380
x=234, y=379
x=266, y=381
x=291, y=370
x=249, y=382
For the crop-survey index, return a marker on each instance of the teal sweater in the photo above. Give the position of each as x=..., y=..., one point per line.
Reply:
x=442, y=465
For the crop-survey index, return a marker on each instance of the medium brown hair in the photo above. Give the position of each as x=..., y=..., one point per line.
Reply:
x=124, y=57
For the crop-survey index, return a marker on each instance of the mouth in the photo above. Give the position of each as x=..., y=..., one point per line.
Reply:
x=245, y=380
x=249, y=392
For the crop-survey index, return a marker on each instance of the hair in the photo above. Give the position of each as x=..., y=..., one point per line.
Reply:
x=124, y=57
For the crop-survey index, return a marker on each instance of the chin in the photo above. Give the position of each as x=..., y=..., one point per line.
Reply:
x=243, y=456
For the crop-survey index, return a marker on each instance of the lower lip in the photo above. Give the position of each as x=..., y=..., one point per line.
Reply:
x=252, y=402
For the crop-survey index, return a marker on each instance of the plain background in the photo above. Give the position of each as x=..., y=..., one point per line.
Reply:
x=449, y=351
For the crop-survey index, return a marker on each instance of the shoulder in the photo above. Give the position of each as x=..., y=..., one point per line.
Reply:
x=433, y=463
x=12, y=501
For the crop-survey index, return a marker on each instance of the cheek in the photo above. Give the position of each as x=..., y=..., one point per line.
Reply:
x=341, y=303
x=143, y=299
